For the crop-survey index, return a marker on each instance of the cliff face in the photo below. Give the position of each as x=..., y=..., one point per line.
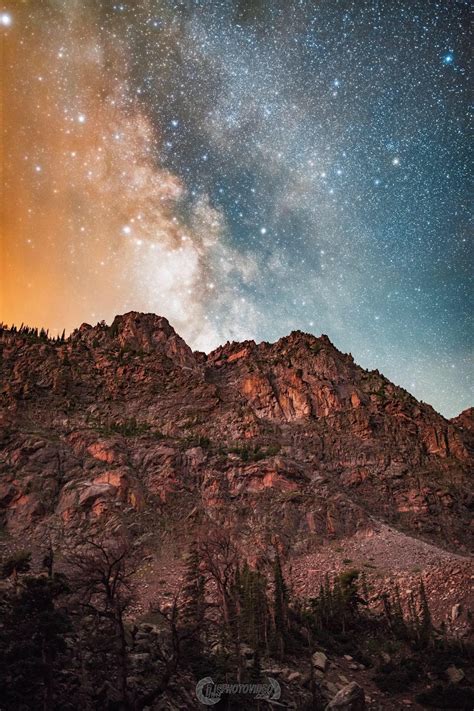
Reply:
x=289, y=444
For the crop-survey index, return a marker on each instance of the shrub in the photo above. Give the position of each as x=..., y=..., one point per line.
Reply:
x=19, y=562
x=397, y=678
x=130, y=427
x=447, y=697
x=273, y=450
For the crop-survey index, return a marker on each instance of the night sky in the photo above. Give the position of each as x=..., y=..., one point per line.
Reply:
x=245, y=168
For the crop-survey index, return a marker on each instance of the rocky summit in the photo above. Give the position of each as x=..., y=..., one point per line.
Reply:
x=294, y=450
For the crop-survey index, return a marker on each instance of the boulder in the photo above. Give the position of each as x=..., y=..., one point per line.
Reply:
x=319, y=661
x=294, y=676
x=93, y=492
x=454, y=674
x=349, y=698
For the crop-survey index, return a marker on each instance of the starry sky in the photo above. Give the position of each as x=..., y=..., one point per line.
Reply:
x=245, y=168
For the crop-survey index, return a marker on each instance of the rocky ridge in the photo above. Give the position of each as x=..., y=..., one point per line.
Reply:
x=290, y=445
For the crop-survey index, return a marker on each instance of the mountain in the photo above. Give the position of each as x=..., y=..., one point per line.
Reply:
x=127, y=416
x=290, y=447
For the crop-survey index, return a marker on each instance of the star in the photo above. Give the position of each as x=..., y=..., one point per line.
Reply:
x=150, y=152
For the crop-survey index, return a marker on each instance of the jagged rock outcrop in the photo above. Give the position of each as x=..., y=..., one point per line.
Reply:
x=464, y=424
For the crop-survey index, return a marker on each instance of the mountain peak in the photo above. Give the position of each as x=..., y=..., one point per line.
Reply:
x=140, y=332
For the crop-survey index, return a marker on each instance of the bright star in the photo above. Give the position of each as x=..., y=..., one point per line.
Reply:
x=448, y=58
x=5, y=19
x=396, y=161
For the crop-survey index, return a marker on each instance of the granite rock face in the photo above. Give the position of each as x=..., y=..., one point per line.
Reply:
x=290, y=444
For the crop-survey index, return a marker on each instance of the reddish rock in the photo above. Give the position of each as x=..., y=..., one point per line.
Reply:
x=124, y=425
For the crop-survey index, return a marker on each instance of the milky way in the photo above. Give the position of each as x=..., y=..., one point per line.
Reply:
x=245, y=169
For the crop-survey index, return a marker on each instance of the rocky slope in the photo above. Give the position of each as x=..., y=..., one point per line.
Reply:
x=291, y=445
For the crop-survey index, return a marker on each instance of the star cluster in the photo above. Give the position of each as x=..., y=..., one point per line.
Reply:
x=245, y=168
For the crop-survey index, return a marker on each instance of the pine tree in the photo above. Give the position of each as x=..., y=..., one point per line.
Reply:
x=413, y=618
x=426, y=626
x=253, y=607
x=31, y=642
x=364, y=586
x=280, y=610
x=193, y=591
x=48, y=560
x=256, y=669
